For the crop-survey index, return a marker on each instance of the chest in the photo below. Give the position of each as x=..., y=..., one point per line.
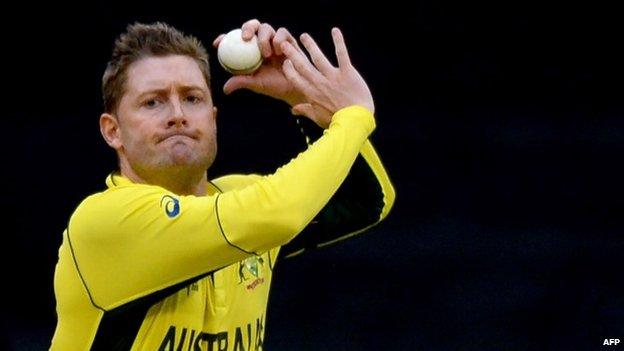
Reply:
x=233, y=296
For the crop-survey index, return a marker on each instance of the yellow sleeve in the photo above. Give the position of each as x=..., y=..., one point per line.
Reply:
x=363, y=200
x=381, y=177
x=134, y=240
x=298, y=191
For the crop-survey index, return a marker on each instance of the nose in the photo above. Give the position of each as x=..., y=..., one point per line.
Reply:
x=177, y=117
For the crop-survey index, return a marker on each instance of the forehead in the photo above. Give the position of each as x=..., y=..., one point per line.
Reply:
x=162, y=72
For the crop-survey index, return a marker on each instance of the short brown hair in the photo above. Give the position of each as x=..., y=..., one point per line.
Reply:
x=145, y=40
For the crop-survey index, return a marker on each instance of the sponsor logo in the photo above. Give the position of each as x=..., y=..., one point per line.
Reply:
x=255, y=283
x=171, y=205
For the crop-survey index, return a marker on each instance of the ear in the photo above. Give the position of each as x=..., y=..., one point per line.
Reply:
x=109, y=127
x=214, y=113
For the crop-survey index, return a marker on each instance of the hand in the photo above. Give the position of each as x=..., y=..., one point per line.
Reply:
x=269, y=79
x=326, y=89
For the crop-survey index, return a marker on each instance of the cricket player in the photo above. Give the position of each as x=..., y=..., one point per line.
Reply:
x=166, y=258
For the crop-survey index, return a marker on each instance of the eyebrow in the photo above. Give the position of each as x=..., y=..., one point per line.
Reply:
x=161, y=91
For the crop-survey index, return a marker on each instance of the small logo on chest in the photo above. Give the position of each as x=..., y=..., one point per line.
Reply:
x=251, y=268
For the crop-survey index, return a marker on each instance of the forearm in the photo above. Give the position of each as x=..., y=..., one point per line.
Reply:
x=363, y=200
x=370, y=167
x=290, y=198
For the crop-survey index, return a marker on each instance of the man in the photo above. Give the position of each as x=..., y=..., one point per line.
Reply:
x=166, y=259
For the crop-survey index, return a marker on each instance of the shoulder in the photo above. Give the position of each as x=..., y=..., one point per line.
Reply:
x=121, y=195
x=235, y=181
x=119, y=201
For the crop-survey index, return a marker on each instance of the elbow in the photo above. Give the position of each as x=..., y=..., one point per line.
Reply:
x=262, y=235
x=292, y=226
x=277, y=230
x=263, y=224
x=295, y=214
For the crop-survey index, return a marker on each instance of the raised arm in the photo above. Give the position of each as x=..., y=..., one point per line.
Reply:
x=136, y=240
x=363, y=200
x=367, y=195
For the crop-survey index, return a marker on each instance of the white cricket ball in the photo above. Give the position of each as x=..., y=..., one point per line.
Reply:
x=238, y=56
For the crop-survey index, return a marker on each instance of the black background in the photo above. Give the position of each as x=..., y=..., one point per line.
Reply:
x=500, y=124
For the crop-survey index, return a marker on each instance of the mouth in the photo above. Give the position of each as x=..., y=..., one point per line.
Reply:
x=176, y=136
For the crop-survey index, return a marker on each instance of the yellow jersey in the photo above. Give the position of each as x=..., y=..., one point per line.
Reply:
x=141, y=268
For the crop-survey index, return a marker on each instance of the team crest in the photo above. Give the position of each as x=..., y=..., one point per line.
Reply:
x=250, y=268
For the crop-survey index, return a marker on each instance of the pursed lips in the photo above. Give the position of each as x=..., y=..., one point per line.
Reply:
x=176, y=134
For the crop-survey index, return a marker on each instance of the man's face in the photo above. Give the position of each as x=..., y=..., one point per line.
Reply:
x=166, y=117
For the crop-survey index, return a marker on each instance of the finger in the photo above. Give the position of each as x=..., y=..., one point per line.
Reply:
x=305, y=109
x=265, y=34
x=341, y=48
x=217, y=41
x=283, y=35
x=250, y=28
x=318, y=58
x=300, y=62
x=293, y=76
x=239, y=82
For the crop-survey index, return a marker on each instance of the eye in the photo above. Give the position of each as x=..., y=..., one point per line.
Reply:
x=151, y=103
x=193, y=99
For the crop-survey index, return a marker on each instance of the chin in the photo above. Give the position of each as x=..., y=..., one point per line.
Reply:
x=190, y=162
x=181, y=153
x=185, y=157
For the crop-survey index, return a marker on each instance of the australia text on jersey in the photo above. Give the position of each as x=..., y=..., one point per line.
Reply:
x=245, y=339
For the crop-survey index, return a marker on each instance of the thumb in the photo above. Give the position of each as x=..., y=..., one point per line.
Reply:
x=217, y=41
x=239, y=82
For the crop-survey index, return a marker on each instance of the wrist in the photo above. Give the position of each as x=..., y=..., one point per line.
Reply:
x=357, y=114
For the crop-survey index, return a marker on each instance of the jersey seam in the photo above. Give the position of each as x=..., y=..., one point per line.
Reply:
x=270, y=260
x=223, y=232
x=84, y=283
x=213, y=184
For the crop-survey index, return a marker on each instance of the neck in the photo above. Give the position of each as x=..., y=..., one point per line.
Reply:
x=178, y=181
